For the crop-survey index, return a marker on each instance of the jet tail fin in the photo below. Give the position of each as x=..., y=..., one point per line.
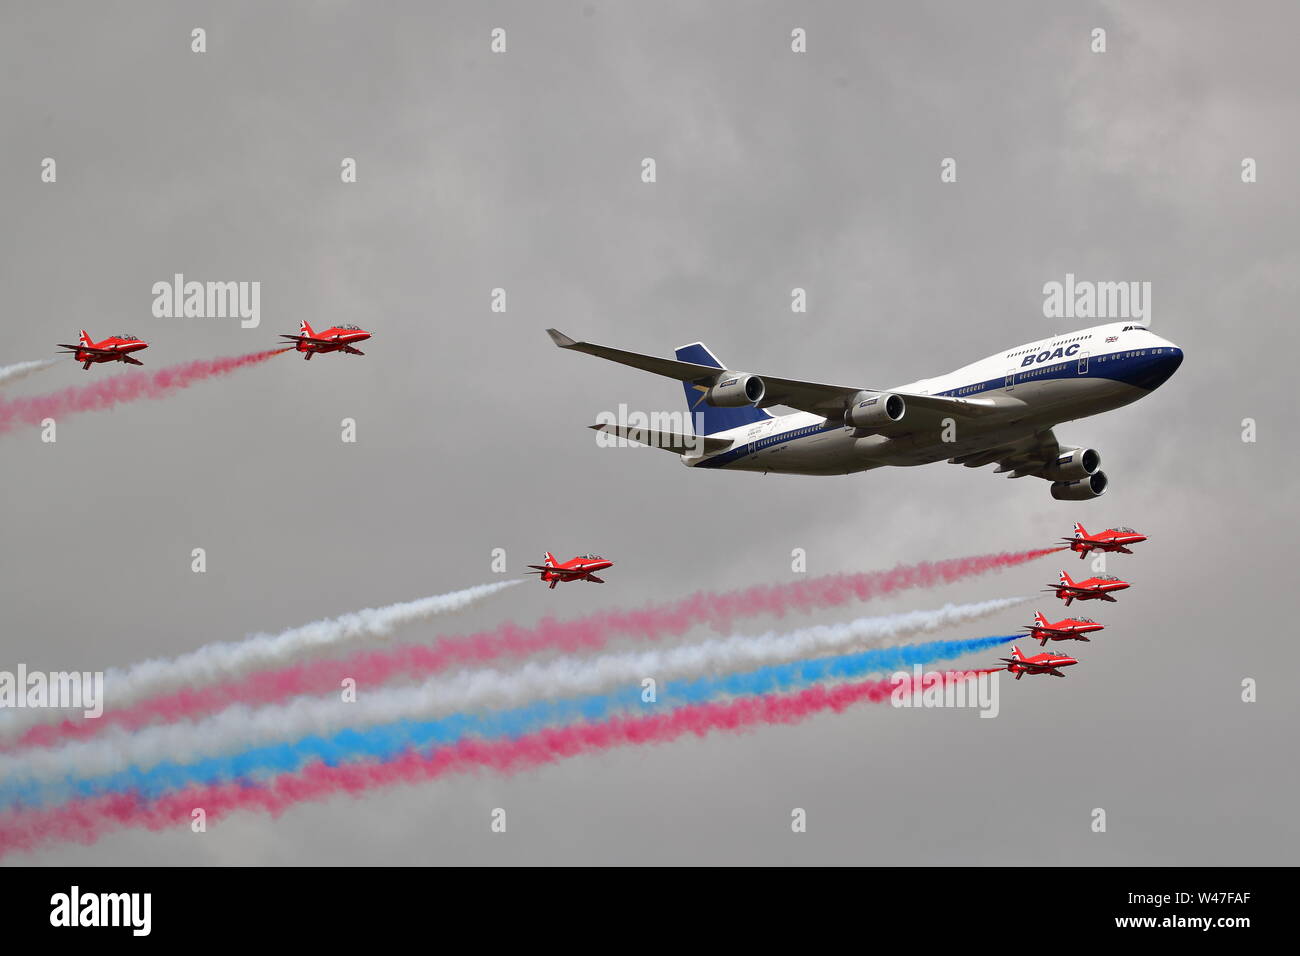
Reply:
x=85, y=338
x=549, y=560
x=305, y=329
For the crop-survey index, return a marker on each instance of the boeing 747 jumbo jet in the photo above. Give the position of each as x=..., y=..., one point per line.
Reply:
x=1000, y=409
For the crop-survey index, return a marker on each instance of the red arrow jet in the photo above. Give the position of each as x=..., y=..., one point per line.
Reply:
x=1093, y=589
x=1069, y=629
x=115, y=348
x=575, y=569
x=1112, y=539
x=1045, y=663
x=337, y=338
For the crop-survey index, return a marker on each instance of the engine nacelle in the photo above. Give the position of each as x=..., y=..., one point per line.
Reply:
x=1074, y=464
x=735, y=389
x=874, y=410
x=1081, y=490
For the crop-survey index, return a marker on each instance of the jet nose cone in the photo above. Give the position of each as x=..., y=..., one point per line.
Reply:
x=1162, y=366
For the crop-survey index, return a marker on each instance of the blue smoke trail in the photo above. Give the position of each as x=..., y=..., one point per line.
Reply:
x=386, y=741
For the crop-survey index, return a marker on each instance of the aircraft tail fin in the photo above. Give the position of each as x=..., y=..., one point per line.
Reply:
x=549, y=560
x=1039, y=619
x=1066, y=579
x=1015, y=652
x=85, y=338
x=305, y=329
x=1080, y=531
x=708, y=419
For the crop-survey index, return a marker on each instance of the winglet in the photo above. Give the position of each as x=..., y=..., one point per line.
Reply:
x=560, y=339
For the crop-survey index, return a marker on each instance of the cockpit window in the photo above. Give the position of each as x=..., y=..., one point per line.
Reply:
x=1134, y=328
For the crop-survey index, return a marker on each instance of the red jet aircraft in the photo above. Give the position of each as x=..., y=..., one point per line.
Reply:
x=1045, y=663
x=1112, y=539
x=338, y=338
x=575, y=569
x=1069, y=629
x=1093, y=589
x=115, y=348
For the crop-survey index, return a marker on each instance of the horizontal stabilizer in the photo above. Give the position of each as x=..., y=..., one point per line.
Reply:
x=669, y=441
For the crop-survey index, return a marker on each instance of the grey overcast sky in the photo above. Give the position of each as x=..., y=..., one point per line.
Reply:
x=775, y=170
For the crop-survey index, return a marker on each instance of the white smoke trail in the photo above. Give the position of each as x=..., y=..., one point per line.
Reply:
x=240, y=727
x=225, y=660
x=12, y=373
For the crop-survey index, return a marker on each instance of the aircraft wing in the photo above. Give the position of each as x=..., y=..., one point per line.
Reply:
x=87, y=348
x=814, y=397
x=309, y=338
x=350, y=350
x=1030, y=455
x=1071, y=587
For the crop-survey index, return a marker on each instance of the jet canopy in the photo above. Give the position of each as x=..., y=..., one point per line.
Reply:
x=1124, y=530
x=1107, y=577
x=350, y=328
x=127, y=337
x=590, y=557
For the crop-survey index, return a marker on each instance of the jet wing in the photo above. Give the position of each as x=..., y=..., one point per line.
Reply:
x=309, y=338
x=1030, y=455
x=1071, y=587
x=814, y=397
x=87, y=348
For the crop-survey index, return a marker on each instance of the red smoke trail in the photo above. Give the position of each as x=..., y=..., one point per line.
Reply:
x=107, y=392
x=86, y=820
x=371, y=668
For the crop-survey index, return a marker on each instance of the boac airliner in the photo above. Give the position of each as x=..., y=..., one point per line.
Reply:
x=1000, y=410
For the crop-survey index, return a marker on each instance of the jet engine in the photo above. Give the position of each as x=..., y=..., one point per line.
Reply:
x=735, y=390
x=1073, y=464
x=870, y=410
x=1081, y=490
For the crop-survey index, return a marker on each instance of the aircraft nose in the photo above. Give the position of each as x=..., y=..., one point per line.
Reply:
x=1161, y=365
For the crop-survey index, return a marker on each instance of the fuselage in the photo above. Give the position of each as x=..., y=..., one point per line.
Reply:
x=333, y=339
x=1037, y=385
